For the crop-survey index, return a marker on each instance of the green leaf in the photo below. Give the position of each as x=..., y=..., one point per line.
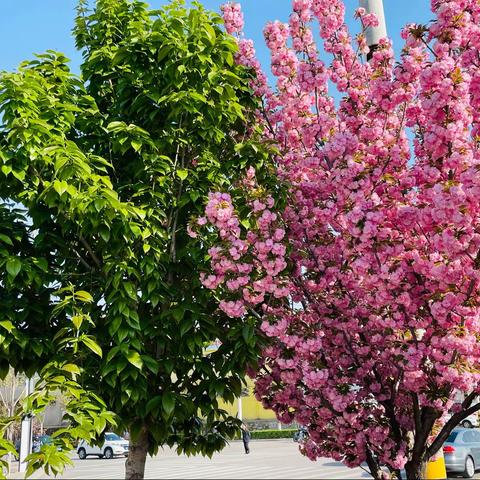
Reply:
x=163, y=52
x=7, y=325
x=6, y=239
x=168, y=402
x=114, y=326
x=99, y=423
x=182, y=174
x=70, y=367
x=84, y=296
x=136, y=145
x=60, y=186
x=77, y=321
x=6, y=169
x=37, y=347
x=153, y=404
x=14, y=265
x=42, y=263
x=247, y=333
x=19, y=174
x=130, y=289
x=177, y=313
x=104, y=233
x=151, y=364
x=211, y=35
x=92, y=345
x=116, y=126
x=134, y=358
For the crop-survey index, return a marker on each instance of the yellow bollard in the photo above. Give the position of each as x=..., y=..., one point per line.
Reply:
x=435, y=469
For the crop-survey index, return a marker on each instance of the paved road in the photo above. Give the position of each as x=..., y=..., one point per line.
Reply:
x=277, y=459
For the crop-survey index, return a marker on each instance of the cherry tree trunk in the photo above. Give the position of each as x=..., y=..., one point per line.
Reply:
x=415, y=470
x=137, y=456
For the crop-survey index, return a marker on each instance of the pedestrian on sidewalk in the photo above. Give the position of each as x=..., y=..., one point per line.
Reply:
x=245, y=437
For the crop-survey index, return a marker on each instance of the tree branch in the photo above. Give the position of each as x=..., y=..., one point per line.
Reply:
x=97, y=261
x=451, y=424
x=416, y=411
x=83, y=262
x=427, y=420
x=373, y=466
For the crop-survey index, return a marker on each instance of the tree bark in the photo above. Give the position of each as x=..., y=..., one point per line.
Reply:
x=415, y=470
x=373, y=466
x=137, y=456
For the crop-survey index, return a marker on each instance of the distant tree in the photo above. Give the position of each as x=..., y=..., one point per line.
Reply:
x=12, y=391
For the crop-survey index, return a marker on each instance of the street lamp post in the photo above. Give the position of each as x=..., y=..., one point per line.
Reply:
x=26, y=431
x=375, y=34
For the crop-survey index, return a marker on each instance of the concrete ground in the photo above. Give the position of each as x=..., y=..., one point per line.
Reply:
x=268, y=459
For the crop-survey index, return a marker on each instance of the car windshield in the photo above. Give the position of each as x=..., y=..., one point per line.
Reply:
x=451, y=438
x=112, y=437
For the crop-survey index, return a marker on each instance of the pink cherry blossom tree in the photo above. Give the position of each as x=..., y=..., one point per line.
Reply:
x=367, y=283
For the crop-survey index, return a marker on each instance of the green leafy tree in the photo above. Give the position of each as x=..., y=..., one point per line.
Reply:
x=100, y=178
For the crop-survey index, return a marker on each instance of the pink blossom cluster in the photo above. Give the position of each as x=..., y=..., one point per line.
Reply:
x=367, y=19
x=233, y=16
x=368, y=281
x=246, y=265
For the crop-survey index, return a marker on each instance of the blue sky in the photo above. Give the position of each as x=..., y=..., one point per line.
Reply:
x=33, y=26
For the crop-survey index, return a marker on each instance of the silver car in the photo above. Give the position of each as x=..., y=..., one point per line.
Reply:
x=462, y=452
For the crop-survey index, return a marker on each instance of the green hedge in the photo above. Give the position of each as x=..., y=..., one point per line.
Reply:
x=265, y=434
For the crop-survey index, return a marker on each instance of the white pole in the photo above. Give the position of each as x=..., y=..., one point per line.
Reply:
x=375, y=34
x=26, y=433
x=240, y=408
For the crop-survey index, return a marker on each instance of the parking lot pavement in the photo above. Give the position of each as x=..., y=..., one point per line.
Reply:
x=277, y=459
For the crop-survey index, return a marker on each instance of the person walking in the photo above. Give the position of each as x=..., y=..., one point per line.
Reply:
x=246, y=437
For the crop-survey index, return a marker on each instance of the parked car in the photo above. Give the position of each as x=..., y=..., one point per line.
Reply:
x=113, y=445
x=471, y=421
x=462, y=452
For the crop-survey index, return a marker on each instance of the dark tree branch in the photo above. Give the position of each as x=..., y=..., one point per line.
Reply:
x=470, y=398
x=83, y=262
x=373, y=466
x=451, y=424
x=92, y=254
x=416, y=411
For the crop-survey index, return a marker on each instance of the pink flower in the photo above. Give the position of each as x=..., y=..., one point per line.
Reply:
x=233, y=17
x=367, y=281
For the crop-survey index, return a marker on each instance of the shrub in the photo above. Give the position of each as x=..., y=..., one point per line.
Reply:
x=266, y=434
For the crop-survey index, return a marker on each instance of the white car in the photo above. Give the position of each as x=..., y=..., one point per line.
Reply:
x=470, y=422
x=114, y=445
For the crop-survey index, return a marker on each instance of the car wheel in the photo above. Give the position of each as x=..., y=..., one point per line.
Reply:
x=108, y=453
x=467, y=424
x=469, y=468
x=82, y=454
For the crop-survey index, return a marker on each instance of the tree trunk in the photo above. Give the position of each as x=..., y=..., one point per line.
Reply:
x=137, y=456
x=415, y=470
